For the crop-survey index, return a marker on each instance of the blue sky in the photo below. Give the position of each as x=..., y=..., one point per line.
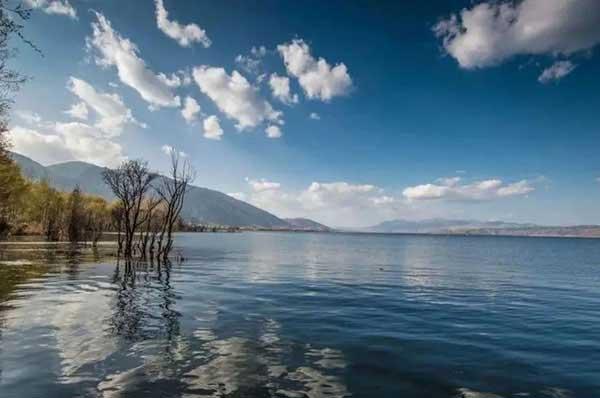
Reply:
x=490, y=114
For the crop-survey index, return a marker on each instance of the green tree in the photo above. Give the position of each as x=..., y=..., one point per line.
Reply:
x=12, y=189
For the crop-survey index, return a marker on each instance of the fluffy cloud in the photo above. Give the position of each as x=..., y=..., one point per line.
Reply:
x=112, y=112
x=318, y=78
x=280, y=87
x=66, y=141
x=185, y=35
x=212, y=128
x=344, y=203
x=190, y=110
x=58, y=7
x=251, y=63
x=337, y=194
x=492, y=32
x=314, y=116
x=333, y=203
x=273, y=131
x=452, y=189
x=114, y=50
x=235, y=97
x=262, y=185
x=78, y=111
x=177, y=79
x=556, y=71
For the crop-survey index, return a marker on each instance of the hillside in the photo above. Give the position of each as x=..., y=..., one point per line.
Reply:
x=202, y=205
x=304, y=224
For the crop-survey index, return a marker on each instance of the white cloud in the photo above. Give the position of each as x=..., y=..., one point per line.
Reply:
x=383, y=200
x=262, y=185
x=177, y=79
x=248, y=63
x=556, y=71
x=318, y=79
x=212, y=128
x=334, y=203
x=273, y=131
x=112, y=112
x=190, y=110
x=259, y=51
x=78, y=111
x=169, y=150
x=337, y=194
x=185, y=35
x=235, y=97
x=66, y=141
x=349, y=204
x=251, y=63
x=280, y=87
x=314, y=116
x=29, y=117
x=43, y=148
x=114, y=50
x=451, y=189
x=58, y=7
x=492, y=32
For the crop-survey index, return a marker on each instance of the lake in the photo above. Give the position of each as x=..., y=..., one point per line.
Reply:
x=264, y=314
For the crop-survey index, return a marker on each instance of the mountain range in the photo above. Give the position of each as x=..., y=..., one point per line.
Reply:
x=207, y=206
x=202, y=205
x=473, y=227
x=439, y=225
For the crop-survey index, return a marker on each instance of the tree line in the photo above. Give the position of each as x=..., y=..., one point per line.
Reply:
x=144, y=215
x=35, y=208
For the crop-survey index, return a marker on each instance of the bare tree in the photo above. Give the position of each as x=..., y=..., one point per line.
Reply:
x=172, y=190
x=153, y=218
x=75, y=222
x=130, y=183
x=116, y=215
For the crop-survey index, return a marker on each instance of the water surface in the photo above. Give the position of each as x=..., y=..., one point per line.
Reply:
x=305, y=315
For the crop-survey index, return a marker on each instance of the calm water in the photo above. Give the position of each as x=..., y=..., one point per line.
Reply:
x=306, y=315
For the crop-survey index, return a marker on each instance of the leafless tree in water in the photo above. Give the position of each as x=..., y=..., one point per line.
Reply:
x=131, y=182
x=172, y=191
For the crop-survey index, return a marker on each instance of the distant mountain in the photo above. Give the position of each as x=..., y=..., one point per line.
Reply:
x=439, y=225
x=304, y=224
x=474, y=227
x=201, y=205
x=30, y=168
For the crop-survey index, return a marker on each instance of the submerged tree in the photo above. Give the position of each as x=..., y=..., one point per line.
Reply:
x=172, y=191
x=149, y=206
x=130, y=183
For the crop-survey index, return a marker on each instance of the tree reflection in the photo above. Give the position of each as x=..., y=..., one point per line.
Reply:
x=144, y=302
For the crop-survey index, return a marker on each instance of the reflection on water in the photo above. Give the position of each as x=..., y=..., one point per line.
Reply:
x=111, y=329
x=303, y=315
